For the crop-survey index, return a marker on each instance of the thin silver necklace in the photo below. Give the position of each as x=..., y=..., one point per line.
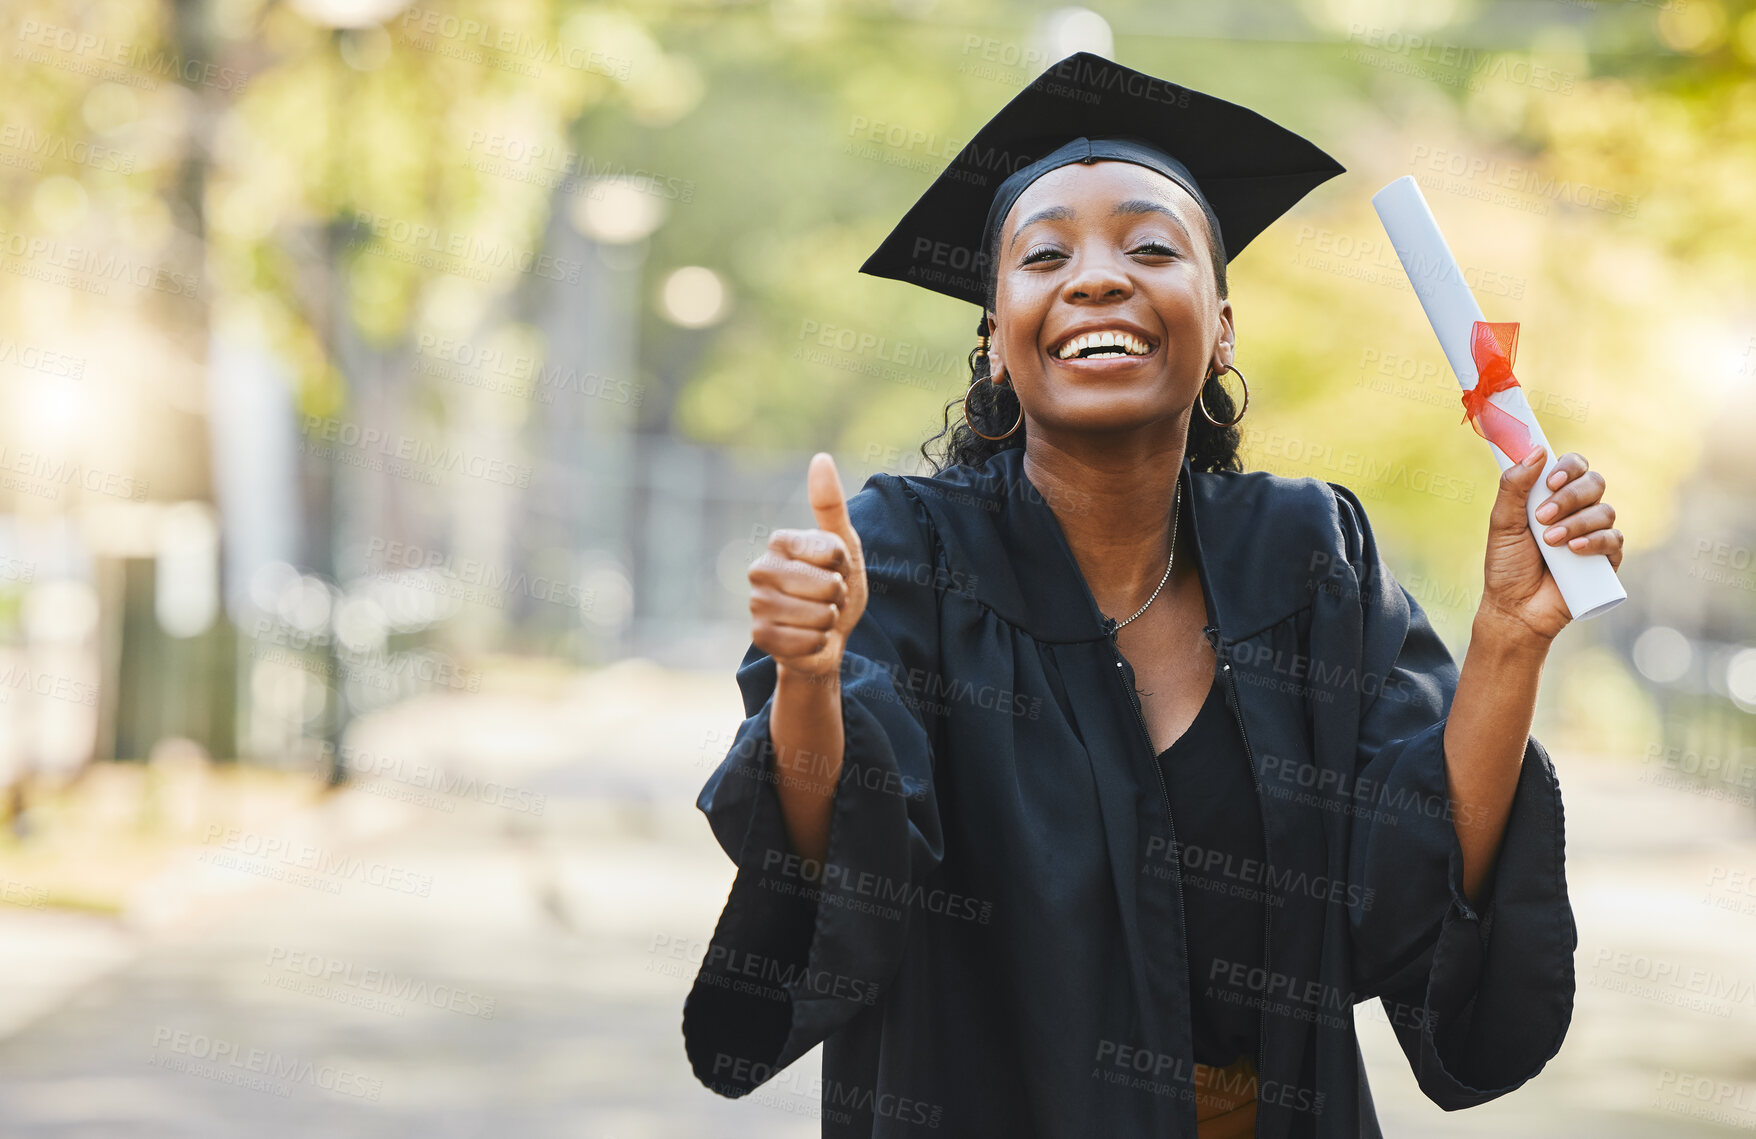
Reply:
x=1176, y=512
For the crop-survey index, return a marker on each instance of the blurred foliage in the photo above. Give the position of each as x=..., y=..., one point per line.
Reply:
x=804, y=128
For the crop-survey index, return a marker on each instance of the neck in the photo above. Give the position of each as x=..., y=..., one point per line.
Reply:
x=1113, y=499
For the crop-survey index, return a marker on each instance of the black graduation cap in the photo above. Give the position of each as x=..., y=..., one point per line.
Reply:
x=1244, y=170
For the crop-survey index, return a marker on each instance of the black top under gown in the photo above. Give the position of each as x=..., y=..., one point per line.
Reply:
x=1220, y=852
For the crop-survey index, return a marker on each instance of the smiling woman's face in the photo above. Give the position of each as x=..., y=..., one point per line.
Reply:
x=1119, y=252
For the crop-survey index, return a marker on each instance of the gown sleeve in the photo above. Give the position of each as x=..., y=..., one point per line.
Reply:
x=801, y=948
x=1479, y=996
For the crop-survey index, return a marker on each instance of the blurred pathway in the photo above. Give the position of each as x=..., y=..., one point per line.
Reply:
x=1664, y=1020
x=523, y=996
x=536, y=989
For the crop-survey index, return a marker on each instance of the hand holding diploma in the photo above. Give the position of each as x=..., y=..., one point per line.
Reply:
x=1550, y=558
x=1516, y=586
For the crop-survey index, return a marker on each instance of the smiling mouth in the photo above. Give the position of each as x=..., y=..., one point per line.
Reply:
x=1102, y=346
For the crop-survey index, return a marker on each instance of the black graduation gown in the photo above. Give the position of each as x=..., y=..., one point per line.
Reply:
x=985, y=950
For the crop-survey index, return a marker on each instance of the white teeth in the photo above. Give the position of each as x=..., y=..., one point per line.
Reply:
x=1125, y=344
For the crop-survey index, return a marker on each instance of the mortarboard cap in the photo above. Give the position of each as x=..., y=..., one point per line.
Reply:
x=1244, y=170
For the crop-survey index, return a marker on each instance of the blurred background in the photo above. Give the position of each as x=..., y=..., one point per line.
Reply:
x=393, y=396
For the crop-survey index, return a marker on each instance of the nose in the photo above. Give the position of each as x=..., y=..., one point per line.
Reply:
x=1098, y=279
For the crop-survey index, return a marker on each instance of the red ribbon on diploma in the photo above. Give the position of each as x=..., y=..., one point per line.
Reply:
x=1492, y=346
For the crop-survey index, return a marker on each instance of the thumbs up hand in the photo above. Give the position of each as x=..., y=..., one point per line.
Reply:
x=808, y=589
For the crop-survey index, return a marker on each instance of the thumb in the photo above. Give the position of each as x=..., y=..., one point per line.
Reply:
x=1516, y=483
x=828, y=504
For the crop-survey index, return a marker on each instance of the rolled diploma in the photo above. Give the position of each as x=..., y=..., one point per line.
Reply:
x=1587, y=582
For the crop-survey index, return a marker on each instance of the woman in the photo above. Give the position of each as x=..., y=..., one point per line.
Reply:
x=1087, y=785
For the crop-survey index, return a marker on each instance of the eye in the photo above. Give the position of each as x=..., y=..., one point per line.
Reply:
x=1156, y=248
x=1041, y=253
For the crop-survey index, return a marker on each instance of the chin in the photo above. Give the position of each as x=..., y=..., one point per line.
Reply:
x=1110, y=412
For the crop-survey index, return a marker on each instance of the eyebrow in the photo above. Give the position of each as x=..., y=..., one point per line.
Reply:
x=1143, y=206
x=1066, y=213
x=1053, y=213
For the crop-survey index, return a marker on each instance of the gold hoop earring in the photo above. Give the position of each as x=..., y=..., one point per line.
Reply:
x=981, y=349
x=971, y=423
x=1202, y=403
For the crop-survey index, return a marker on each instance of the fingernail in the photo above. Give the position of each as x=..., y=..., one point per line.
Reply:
x=1546, y=511
x=1536, y=453
x=1578, y=543
x=1556, y=478
x=1553, y=534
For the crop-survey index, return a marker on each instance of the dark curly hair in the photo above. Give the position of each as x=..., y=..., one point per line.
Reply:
x=1209, y=448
